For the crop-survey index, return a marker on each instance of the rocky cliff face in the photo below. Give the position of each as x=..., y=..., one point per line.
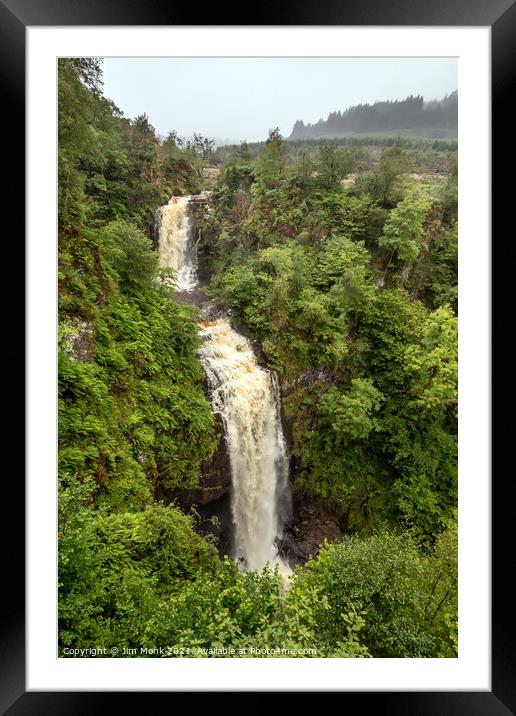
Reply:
x=203, y=252
x=215, y=479
x=154, y=233
x=211, y=500
x=312, y=523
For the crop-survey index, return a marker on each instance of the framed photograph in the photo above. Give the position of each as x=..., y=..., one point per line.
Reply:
x=251, y=269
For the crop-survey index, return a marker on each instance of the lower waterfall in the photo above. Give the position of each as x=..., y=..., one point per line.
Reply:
x=246, y=396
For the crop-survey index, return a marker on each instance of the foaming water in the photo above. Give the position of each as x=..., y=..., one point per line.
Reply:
x=176, y=245
x=246, y=396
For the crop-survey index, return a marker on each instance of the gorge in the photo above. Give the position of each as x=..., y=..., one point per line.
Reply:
x=257, y=365
x=246, y=396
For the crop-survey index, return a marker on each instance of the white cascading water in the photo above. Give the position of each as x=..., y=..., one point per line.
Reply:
x=176, y=246
x=247, y=398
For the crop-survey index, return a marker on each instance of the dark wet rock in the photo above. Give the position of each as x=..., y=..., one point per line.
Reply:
x=320, y=375
x=216, y=470
x=209, y=310
x=312, y=523
x=154, y=232
x=215, y=519
x=215, y=479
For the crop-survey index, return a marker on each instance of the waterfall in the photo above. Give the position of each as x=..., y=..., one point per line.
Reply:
x=246, y=396
x=177, y=250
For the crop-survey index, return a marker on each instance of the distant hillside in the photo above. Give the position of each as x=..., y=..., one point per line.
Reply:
x=412, y=115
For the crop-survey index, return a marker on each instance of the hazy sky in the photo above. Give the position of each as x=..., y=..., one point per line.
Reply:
x=242, y=98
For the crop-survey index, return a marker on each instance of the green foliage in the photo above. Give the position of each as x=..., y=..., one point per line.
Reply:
x=388, y=582
x=309, y=266
x=133, y=418
x=299, y=324
x=432, y=363
x=115, y=567
x=129, y=252
x=349, y=416
x=384, y=183
x=333, y=164
x=252, y=614
x=271, y=163
x=110, y=167
x=216, y=611
x=135, y=409
x=427, y=153
x=403, y=228
x=450, y=194
x=418, y=437
x=444, y=272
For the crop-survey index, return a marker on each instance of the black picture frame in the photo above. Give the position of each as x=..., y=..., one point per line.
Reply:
x=500, y=15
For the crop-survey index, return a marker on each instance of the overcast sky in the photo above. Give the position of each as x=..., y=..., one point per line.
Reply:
x=242, y=98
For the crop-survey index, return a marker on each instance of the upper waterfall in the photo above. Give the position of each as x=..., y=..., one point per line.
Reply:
x=176, y=242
